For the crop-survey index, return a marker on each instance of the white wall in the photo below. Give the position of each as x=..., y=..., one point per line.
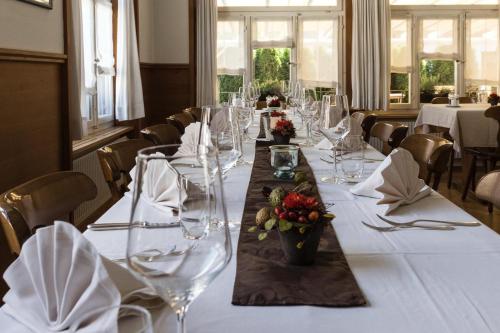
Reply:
x=164, y=31
x=27, y=27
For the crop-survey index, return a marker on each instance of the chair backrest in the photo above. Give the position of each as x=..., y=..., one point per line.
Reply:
x=440, y=100
x=494, y=113
x=117, y=160
x=367, y=124
x=162, y=134
x=40, y=201
x=195, y=112
x=390, y=133
x=181, y=121
x=432, y=154
x=488, y=188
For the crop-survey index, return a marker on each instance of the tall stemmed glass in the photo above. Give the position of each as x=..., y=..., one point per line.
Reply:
x=335, y=125
x=308, y=109
x=178, y=263
x=286, y=89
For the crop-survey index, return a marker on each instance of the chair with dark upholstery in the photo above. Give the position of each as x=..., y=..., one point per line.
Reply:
x=390, y=133
x=117, y=160
x=465, y=100
x=162, y=134
x=488, y=189
x=180, y=121
x=367, y=122
x=486, y=154
x=432, y=154
x=40, y=201
x=194, y=112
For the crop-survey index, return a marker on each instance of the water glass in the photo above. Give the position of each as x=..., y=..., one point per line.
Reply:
x=352, y=157
x=284, y=160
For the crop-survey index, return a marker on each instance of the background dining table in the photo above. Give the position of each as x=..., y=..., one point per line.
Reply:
x=466, y=123
x=413, y=280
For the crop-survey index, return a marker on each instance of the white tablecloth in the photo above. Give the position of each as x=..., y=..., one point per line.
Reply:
x=467, y=123
x=414, y=281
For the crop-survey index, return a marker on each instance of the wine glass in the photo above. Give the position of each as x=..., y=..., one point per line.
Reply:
x=128, y=318
x=335, y=125
x=308, y=109
x=179, y=263
x=285, y=89
x=245, y=119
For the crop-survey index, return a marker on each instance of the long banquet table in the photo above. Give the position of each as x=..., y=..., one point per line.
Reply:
x=413, y=280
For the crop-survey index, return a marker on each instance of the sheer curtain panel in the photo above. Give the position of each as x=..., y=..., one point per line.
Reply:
x=439, y=38
x=318, y=52
x=129, y=97
x=401, y=45
x=206, y=43
x=231, y=47
x=76, y=71
x=370, y=54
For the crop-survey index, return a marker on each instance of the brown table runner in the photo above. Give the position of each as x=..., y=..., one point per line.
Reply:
x=262, y=275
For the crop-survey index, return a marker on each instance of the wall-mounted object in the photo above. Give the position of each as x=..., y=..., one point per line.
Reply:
x=42, y=3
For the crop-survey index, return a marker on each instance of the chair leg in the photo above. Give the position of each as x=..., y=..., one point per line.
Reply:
x=437, y=179
x=474, y=170
x=468, y=180
x=450, y=172
x=490, y=207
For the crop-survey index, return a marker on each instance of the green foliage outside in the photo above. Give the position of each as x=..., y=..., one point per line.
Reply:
x=436, y=78
x=271, y=67
x=228, y=84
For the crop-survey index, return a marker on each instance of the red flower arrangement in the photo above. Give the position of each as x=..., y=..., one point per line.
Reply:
x=278, y=114
x=284, y=128
x=273, y=102
x=493, y=99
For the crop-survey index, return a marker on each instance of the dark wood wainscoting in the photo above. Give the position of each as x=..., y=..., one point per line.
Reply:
x=167, y=88
x=33, y=115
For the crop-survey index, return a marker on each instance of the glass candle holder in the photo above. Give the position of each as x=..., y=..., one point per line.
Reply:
x=284, y=160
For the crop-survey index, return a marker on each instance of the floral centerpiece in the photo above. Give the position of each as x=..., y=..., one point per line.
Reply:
x=278, y=114
x=283, y=131
x=273, y=102
x=493, y=99
x=299, y=218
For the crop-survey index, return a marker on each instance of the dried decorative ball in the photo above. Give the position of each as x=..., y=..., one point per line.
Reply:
x=262, y=216
x=276, y=196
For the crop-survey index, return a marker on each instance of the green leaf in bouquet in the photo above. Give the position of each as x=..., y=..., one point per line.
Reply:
x=269, y=225
x=300, y=245
x=262, y=235
x=302, y=230
x=285, y=225
x=252, y=229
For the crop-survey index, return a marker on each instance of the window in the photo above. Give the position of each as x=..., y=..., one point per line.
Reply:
x=99, y=62
x=283, y=44
x=442, y=49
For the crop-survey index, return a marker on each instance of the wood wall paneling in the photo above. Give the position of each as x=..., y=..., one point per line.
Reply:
x=33, y=138
x=167, y=90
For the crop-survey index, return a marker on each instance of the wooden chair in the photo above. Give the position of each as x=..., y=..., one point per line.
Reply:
x=40, y=201
x=180, y=121
x=117, y=160
x=367, y=122
x=465, y=100
x=431, y=153
x=390, y=133
x=488, y=189
x=482, y=153
x=194, y=112
x=162, y=134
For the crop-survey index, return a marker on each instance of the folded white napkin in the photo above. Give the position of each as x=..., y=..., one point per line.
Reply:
x=160, y=186
x=58, y=278
x=189, y=140
x=395, y=182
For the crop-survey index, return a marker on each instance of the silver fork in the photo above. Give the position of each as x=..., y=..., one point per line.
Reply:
x=413, y=223
x=395, y=228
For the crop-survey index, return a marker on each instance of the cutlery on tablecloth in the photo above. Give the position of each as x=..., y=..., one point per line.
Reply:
x=413, y=223
x=395, y=228
x=124, y=226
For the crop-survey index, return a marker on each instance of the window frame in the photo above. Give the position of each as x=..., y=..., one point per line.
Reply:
x=249, y=14
x=417, y=13
x=96, y=123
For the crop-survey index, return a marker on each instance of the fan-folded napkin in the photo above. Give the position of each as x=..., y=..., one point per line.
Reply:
x=189, y=140
x=58, y=278
x=395, y=182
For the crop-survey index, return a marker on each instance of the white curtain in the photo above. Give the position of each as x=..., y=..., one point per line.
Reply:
x=76, y=72
x=370, y=54
x=129, y=98
x=206, y=42
x=401, y=45
x=438, y=39
x=231, y=47
x=275, y=32
x=318, y=52
x=481, y=52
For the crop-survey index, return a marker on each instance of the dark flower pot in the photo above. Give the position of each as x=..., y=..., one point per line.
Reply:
x=305, y=255
x=494, y=103
x=281, y=139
